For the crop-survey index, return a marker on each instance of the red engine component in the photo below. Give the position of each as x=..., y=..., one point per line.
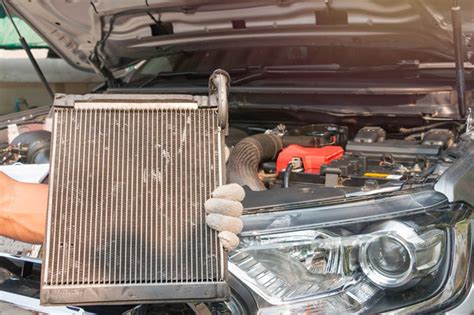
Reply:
x=311, y=158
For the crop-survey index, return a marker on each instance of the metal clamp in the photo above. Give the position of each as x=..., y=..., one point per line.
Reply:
x=469, y=122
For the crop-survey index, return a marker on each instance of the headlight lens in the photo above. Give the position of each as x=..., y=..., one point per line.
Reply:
x=388, y=256
x=399, y=256
x=336, y=272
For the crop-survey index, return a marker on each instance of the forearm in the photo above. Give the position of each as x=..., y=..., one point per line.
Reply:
x=23, y=211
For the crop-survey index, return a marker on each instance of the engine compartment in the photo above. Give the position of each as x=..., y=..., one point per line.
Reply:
x=287, y=164
x=322, y=162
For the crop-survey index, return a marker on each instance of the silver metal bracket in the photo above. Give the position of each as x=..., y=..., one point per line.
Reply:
x=219, y=84
x=469, y=122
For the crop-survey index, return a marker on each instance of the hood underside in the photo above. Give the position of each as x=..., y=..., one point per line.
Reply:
x=107, y=35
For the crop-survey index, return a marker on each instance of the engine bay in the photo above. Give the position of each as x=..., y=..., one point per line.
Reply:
x=303, y=163
x=323, y=161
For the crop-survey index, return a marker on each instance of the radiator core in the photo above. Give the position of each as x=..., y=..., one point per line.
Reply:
x=126, y=222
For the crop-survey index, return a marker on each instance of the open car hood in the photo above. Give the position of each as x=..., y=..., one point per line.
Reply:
x=107, y=35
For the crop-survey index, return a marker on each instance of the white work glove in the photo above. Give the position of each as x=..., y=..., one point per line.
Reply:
x=223, y=211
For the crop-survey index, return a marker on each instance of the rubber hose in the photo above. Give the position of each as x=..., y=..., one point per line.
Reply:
x=39, y=142
x=427, y=127
x=245, y=158
x=286, y=176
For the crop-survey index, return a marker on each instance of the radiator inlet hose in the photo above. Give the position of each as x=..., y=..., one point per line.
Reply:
x=248, y=153
x=245, y=158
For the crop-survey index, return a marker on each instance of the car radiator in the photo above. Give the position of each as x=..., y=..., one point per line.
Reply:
x=129, y=177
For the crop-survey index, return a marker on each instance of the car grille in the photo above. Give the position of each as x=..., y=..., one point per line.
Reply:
x=126, y=221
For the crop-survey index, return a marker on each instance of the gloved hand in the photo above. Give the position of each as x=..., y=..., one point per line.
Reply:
x=223, y=212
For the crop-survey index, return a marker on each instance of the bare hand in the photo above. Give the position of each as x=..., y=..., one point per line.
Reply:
x=23, y=209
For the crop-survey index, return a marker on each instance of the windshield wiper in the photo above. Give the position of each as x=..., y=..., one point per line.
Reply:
x=324, y=69
x=165, y=75
x=250, y=73
x=403, y=67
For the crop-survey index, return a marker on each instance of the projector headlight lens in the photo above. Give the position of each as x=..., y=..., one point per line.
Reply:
x=398, y=256
x=387, y=261
x=388, y=256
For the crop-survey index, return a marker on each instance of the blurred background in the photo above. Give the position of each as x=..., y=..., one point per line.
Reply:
x=20, y=87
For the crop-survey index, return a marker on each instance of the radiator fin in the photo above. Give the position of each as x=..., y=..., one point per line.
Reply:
x=127, y=194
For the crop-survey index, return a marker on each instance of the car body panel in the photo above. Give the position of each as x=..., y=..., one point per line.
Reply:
x=110, y=35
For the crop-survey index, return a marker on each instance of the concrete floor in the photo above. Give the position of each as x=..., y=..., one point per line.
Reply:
x=8, y=309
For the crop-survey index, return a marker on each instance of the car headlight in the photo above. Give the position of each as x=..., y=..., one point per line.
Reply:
x=398, y=255
x=296, y=266
x=347, y=268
